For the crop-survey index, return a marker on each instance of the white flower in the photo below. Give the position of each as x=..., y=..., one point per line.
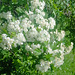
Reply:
x=31, y=35
x=63, y=33
x=51, y=22
x=35, y=46
x=62, y=47
x=49, y=50
x=42, y=4
x=43, y=36
x=14, y=27
x=58, y=62
x=6, y=42
x=43, y=66
x=19, y=39
x=40, y=12
x=28, y=48
x=37, y=3
x=7, y=15
x=34, y=4
x=60, y=35
x=25, y=24
x=68, y=49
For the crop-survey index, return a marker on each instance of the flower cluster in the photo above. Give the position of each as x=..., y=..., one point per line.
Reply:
x=37, y=33
x=43, y=66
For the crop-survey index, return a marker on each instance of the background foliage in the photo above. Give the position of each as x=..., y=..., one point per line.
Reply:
x=64, y=13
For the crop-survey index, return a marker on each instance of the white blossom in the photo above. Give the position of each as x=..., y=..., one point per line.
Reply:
x=51, y=22
x=58, y=62
x=43, y=36
x=25, y=24
x=6, y=42
x=7, y=15
x=43, y=66
x=68, y=49
x=60, y=35
x=31, y=35
x=19, y=39
x=35, y=46
x=14, y=27
x=28, y=48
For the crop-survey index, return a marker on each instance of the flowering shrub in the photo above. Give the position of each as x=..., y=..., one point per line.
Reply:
x=36, y=36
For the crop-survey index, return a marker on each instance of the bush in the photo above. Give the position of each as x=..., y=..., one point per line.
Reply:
x=31, y=42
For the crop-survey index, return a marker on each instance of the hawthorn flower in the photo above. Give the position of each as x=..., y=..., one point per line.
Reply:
x=43, y=36
x=7, y=15
x=19, y=39
x=51, y=22
x=58, y=62
x=14, y=27
x=6, y=42
x=28, y=48
x=43, y=66
x=35, y=46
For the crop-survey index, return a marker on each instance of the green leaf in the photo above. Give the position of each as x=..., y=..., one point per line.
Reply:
x=37, y=52
x=19, y=9
x=19, y=61
x=14, y=1
x=48, y=56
